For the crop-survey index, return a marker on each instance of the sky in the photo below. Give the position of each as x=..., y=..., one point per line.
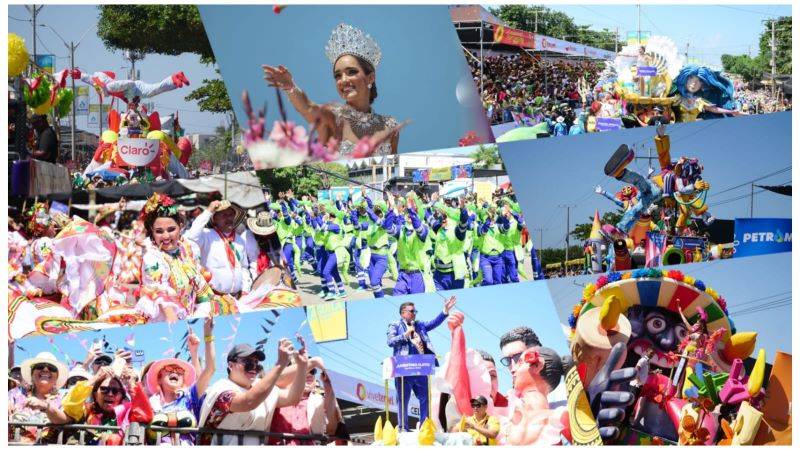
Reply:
x=422, y=76
x=757, y=289
x=710, y=30
x=91, y=55
x=564, y=170
x=489, y=311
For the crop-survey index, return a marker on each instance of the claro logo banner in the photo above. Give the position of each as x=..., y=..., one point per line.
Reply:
x=138, y=152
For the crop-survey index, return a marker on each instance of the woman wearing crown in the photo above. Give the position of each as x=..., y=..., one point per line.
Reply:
x=355, y=57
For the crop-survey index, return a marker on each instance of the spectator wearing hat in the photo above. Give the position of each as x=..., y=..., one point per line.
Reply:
x=262, y=244
x=483, y=427
x=222, y=251
x=177, y=390
x=245, y=401
x=76, y=374
x=42, y=377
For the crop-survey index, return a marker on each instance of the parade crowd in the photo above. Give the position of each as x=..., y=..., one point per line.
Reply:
x=288, y=401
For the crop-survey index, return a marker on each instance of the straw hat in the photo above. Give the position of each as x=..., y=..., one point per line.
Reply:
x=189, y=375
x=262, y=224
x=226, y=204
x=44, y=358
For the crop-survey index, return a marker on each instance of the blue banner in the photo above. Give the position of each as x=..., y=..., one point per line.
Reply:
x=646, y=71
x=608, y=124
x=689, y=243
x=414, y=365
x=762, y=236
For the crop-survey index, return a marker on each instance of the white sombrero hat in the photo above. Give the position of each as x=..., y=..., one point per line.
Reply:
x=262, y=224
x=44, y=358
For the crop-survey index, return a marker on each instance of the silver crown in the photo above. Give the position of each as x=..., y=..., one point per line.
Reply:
x=349, y=40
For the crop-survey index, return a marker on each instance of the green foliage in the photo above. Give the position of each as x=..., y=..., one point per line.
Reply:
x=166, y=30
x=555, y=24
x=556, y=255
x=302, y=180
x=582, y=230
x=163, y=29
x=211, y=96
x=783, y=49
x=486, y=156
x=750, y=69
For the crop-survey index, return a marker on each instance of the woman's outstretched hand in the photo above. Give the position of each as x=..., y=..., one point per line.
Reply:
x=278, y=77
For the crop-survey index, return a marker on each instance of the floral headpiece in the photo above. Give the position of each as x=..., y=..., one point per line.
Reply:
x=159, y=203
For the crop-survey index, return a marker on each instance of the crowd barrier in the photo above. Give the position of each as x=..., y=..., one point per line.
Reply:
x=135, y=434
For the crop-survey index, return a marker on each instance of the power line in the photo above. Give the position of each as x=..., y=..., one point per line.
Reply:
x=746, y=183
x=18, y=19
x=373, y=371
x=752, y=11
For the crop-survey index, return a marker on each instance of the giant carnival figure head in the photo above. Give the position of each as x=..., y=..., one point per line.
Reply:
x=688, y=169
x=650, y=300
x=698, y=81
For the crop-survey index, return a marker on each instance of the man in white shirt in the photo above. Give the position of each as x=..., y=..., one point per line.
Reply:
x=244, y=401
x=222, y=250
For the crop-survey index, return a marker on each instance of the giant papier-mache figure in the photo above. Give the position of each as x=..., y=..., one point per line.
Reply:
x=693, y=91
x=651, y=373
x=678, y=182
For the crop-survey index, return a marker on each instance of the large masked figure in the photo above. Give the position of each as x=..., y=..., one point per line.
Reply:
x=641, y=353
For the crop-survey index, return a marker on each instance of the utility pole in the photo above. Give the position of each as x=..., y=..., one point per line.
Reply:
x=34, y=10
x=566, y=237
x=72, y=47
x=752, y=194
x=686, y=53
x=616, y=41
x=536, y=20
x=772, y=45
x=639, y=24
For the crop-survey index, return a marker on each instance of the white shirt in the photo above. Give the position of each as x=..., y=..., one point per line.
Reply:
x=259, y=418
x=214, y=257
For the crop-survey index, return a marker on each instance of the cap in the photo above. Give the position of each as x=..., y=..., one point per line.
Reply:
x=479, y=400
x=107, y=358
x=245, y=350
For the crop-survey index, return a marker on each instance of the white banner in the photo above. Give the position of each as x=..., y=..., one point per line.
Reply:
x=137, y=152
x=368, y=394
x=546, y=43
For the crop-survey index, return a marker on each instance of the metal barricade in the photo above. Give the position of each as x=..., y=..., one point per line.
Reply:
x=136, y=434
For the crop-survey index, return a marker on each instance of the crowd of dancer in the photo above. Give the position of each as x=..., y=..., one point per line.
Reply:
x=424, y=243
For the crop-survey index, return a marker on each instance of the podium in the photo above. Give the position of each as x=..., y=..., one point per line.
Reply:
x=407, y=366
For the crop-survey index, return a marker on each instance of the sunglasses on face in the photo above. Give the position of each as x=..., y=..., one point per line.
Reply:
x=513, y=359
x=477, y=405
x=412, y=311
x=170, y=370
x=250, y=365
x=105, y=390
x=43, y=366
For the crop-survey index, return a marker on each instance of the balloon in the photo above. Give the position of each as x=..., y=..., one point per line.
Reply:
x=17, y=55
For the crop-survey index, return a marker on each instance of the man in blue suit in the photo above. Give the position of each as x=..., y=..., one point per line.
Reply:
x=409, y=336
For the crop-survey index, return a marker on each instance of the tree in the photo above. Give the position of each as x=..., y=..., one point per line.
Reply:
x=302, y=180
x=750, y=69
x=216, y=150
x=582, y=230
x=555, y=24
x=783, y=48
x=486, y=156
x=166, y=30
